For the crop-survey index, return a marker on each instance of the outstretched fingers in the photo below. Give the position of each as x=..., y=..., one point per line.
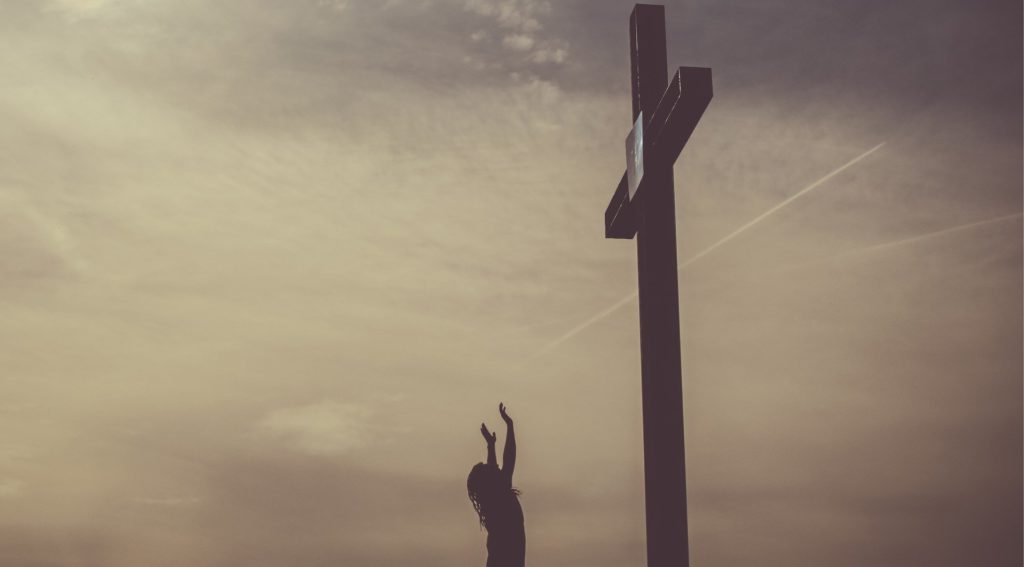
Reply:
x=488, y=436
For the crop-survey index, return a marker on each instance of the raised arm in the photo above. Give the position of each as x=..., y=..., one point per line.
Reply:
x=491, y=439
x=508, y=458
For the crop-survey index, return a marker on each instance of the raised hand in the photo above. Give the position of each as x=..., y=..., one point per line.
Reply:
x=491, y=438
x=509, y=456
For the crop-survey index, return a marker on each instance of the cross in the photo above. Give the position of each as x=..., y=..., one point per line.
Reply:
x=643, y=205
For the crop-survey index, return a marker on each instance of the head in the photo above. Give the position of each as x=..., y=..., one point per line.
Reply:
x=484, y=486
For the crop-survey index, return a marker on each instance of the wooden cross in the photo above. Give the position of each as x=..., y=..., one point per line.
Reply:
x=664, y=115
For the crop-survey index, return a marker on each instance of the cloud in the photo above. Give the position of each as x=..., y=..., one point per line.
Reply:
x=81, y=9
x=554, y=51
x=551, y=52
x=520, y=15
x=336, y=5
x=521, y=21
x=517, y=42
x=325, y=428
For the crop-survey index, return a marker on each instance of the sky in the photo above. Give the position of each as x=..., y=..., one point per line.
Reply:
x=266, y=266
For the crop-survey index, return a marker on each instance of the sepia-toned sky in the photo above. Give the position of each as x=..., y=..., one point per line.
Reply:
x=265, y=266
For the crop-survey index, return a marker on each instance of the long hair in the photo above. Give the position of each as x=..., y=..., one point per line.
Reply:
x=486, y=487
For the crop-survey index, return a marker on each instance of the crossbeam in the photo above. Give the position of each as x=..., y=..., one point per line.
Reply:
x=665, y=134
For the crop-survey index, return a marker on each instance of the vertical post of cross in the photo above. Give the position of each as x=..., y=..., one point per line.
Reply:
x=661, y=367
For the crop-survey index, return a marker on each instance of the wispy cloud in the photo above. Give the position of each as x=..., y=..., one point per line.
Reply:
x=517, y=42
x=325, y=428
x=520, y=26
x=80, y=8
x=520, y=15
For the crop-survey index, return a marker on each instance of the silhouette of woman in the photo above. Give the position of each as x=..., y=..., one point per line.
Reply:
x=497, y=502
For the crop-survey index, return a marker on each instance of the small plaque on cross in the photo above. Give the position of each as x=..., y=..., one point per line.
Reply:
x=635, y=155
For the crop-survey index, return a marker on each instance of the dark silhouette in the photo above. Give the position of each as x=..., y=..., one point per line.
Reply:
x=665, y=113
x=497, y=502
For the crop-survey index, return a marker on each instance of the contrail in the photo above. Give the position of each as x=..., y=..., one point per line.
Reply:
x=774, y=209
x=929, y=235
x=619, y=304
x=894, y=243
x=578, y=328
